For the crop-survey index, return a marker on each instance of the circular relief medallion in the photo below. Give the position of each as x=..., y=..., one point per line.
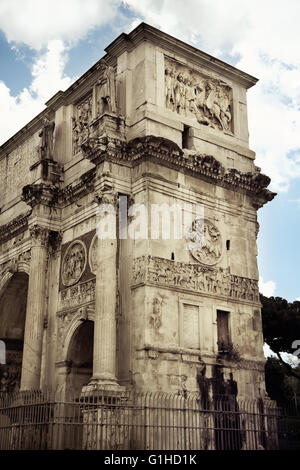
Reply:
x=74, y=262
x=205, y=242
x=93, y=254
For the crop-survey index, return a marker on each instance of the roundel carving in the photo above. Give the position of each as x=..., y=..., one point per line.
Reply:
x=74, y=263
x=93, y=254
x=205, y=242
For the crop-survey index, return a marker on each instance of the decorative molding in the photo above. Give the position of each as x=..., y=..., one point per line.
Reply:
x=79, y=188
x=170, y=154
x=194, y=278
x=14, y=227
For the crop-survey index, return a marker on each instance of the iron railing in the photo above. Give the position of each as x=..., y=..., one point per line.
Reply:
x=148, y=421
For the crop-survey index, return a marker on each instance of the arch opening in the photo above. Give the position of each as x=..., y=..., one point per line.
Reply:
x=80, y=358
x=13, y=303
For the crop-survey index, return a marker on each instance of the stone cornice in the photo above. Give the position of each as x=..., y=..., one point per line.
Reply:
x=34, y=194
x=167, y=153
x=14, y=227
x=79, y=188
x=143, y=32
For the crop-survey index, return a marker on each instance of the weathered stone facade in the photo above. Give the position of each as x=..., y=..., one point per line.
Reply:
x=159, y=122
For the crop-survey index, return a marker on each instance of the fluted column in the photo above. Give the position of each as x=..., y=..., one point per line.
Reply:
x=104, y=360
x=36, y=304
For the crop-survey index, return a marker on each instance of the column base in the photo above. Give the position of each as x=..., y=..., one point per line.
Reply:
x=99, y=386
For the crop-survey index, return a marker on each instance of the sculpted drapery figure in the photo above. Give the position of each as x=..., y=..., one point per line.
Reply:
x=106, y=92
x=190, y=94
x=46, y=134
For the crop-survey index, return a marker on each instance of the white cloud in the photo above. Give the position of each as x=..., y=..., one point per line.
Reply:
x=50, y=27
x=298, y=299
x=266, y=288
x=36, y=22
x=264, y=38
x=48, y=78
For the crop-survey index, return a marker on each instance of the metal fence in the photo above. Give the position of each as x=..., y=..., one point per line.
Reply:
x=152, y=420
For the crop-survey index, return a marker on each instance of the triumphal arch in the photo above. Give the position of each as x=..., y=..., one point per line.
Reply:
x=154, y=126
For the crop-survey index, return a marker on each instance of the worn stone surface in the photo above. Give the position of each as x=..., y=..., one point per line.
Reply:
x=159, y=122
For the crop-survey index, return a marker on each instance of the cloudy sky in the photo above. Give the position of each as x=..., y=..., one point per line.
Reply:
x=47, y=44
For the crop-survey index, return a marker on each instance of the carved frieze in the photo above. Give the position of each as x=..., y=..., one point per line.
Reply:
x=193, y=277
x=207, y=242
x=76, y=295
x=189, y=93
x=74, y=263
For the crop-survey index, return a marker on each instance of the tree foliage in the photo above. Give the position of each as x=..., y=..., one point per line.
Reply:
x=281, y=327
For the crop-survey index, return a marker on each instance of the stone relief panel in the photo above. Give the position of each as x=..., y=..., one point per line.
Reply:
x=74, y=263
x=191, y=94
x=155, y=317
x=193, y=277
x=81, y=122
x=207, y=237
x=76, y=295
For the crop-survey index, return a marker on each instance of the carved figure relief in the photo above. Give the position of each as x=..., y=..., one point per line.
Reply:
x=194, y=277
x=76, y=295
x=93, y=255
x=106, y=92
x=155, y=317
x=81, y=122
x=74, y=263
x=46, y=134
x=207, y=242
x=191, y=94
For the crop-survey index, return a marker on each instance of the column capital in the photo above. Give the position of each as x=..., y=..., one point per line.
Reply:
x=39, y=235
x=107, y=195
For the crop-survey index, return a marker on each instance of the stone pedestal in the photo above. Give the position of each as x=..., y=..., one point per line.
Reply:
x=32, y=352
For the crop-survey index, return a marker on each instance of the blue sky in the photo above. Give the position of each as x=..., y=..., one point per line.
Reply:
x=46, y=45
